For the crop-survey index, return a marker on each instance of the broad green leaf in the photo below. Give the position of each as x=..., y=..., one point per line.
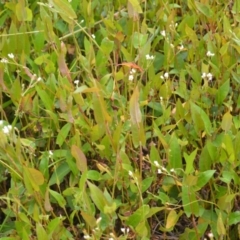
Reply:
x=234, y=218
x=172, y=219
x=203, y=178
x=200, y=119
x=65, y=10
x=146, y=183
x=58, y=197
x=226, y=121
x=59, y=173
x=89, y=219
x=138, y=216
x=175, y=158
x=23, y=13
x=135, y=5
x=189, y=161
x=80, y=158
x=41, y=233
x=139, y=40
x=222, y=92
x=97, y=197
x=62, y=135
x=227, y=145
x=107, y=46
x=46, y=99
x=204, y=9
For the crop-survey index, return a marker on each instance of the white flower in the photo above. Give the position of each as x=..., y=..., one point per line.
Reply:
x=7, y=129
x=156, y=164
x=4, y=60
x=210, y=54
x=76, y=82
x=164, y=169
x=172, y=170
x=86, y=237
x=98, y=220
x=204, y=75
x=130, y=77
x=130, y=173
x=93, y=36
x=209, y=76
x=149, y=57
x=161, y=98
x=159, y=171
x=50, y=153
x=10, y=55
x=181, y=47
x=133, y=71
x=166, y=75
x=210, y=235
x=163, y=33
x=125, y=230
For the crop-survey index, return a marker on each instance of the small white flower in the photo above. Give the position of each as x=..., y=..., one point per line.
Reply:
x=111, y=238
x=172, y=170
x=210, y=235
x=181, y=47
x=130, y=173
x=164, y=169
x=210, y=54
x=161, y=98
x=125, y=230
x=166, y=75
x=204, y=75
x=10, y=55
x=7, y=129
x=98, y=220
x=76, y=82
x=209, y=76
x=159, y=171
x=50, y=153
x=130, y=77
x=4, y=60
x=163, y=33
x=156, y=164
x=39, y=79
x=86, y=237
x=133, y=71
x=149, y=57
x=93, y=36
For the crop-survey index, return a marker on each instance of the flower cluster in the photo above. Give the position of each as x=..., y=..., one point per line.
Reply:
x=131, y=75
x=149, y=57
x=210, y=54
x=165, y=75
x=209, y=76
x=162, y=169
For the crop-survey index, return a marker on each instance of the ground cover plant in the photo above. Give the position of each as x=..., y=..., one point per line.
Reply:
x=119, y=119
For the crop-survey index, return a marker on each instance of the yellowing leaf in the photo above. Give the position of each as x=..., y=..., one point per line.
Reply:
x=171, y=219
x=80, y=158
x=33, y=178
x=135, y=113
x=226, y=121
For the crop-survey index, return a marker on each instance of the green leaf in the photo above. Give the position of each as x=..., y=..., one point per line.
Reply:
x=189, y=161
x=146, y=183
x=175, y=158
x=80, y=158
x=138, y=216
x=222, y=92
x=46, y=99
x=136, y=5
x=58, y=197
x=203, y=179
x=135, y=113
x=200, y=119
x=59, y=173
x=234, y=218
x=220, y=225
x=204, y=9
x=139, y=40
x=41, y=233
x=107, y=46
x=62, y=135
x=97, y=196
x=65, y=10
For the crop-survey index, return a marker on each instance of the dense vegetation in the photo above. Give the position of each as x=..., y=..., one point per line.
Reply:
x=119, y=119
